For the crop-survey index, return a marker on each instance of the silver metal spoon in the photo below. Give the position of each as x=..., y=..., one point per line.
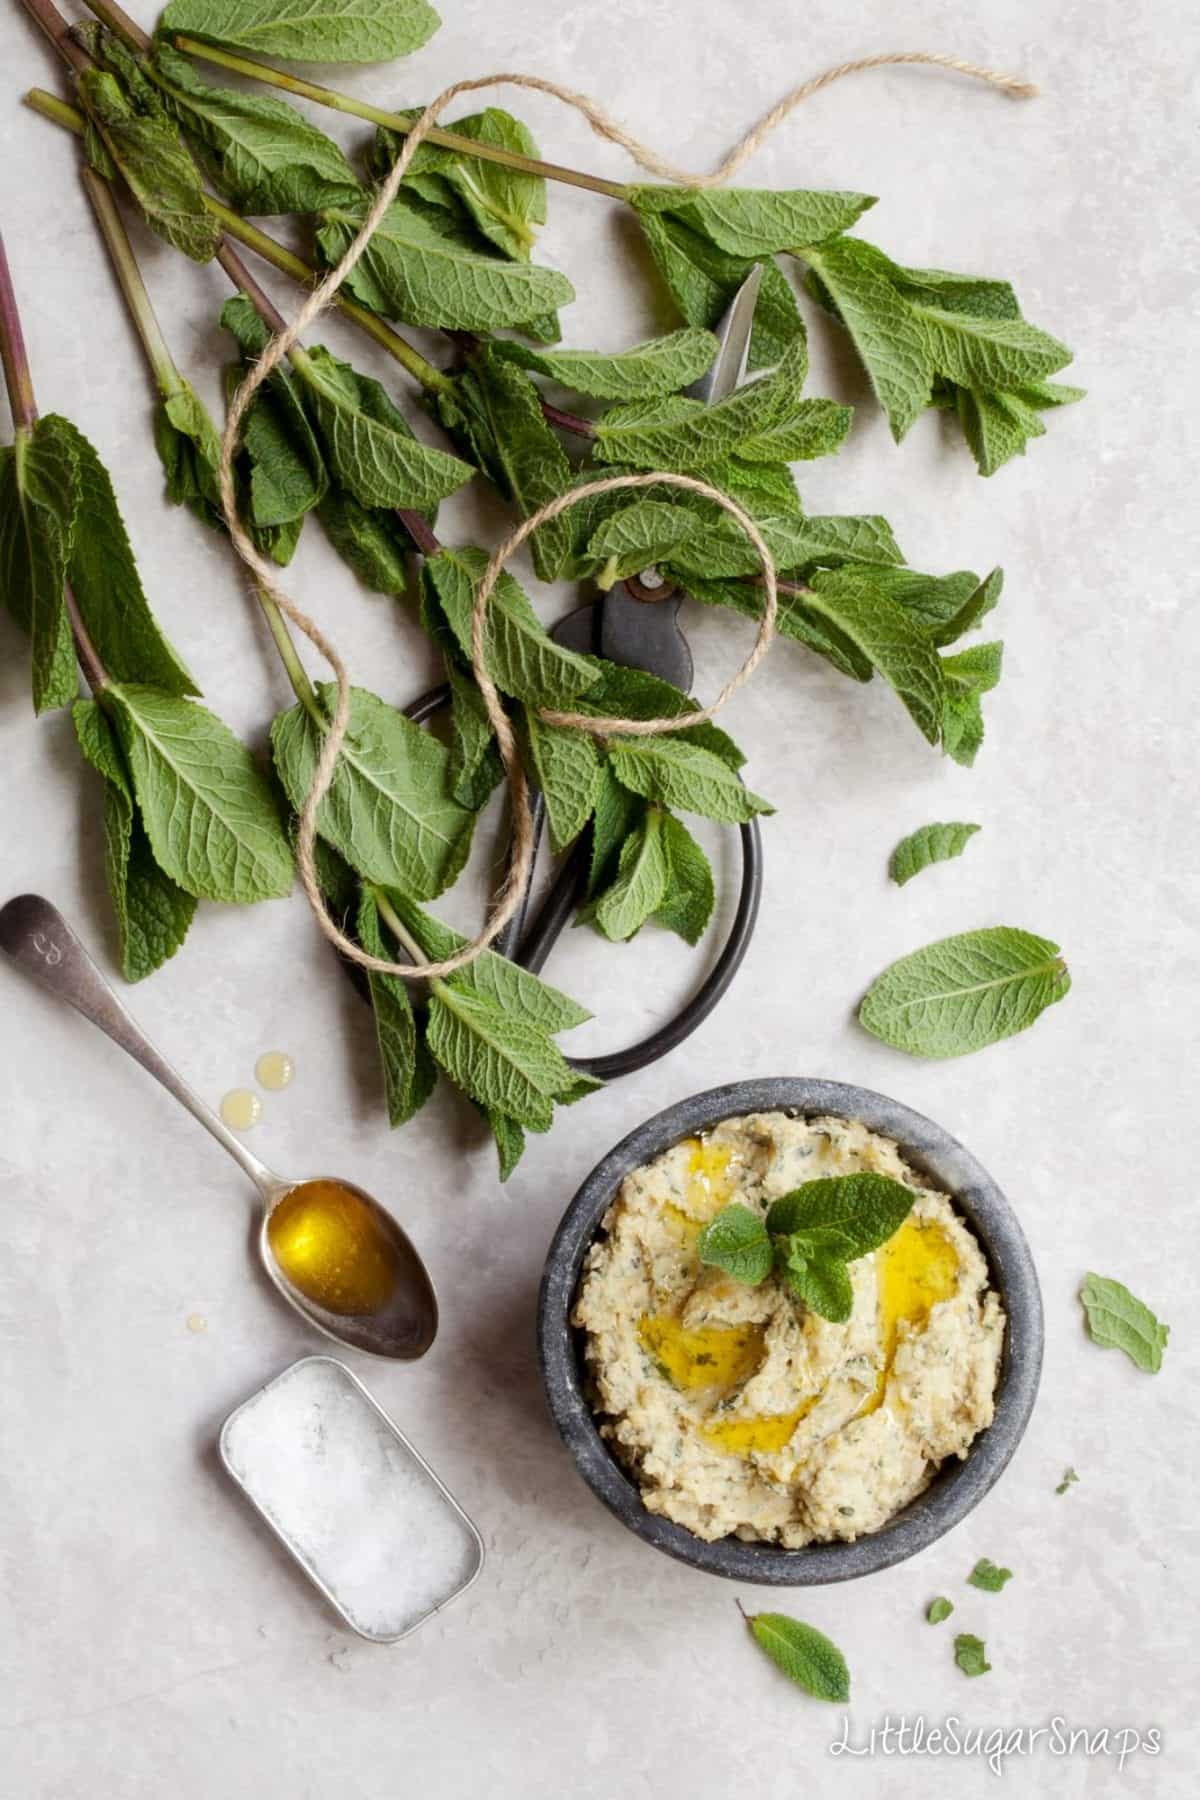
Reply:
x=342, y=1247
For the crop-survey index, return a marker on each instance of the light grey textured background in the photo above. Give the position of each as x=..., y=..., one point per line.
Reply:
x=155, y=1642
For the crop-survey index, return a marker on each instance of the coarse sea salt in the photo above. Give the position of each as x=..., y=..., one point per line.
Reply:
x=363, y=1514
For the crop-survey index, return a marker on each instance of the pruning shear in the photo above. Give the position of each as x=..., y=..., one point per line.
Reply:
x=636, y=624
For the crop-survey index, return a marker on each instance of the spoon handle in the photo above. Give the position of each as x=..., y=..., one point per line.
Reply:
x=35, y=935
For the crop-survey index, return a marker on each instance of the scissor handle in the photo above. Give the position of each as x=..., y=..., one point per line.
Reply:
x=531, y=947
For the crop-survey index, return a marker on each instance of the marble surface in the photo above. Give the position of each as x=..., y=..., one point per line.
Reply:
x=156, y=1642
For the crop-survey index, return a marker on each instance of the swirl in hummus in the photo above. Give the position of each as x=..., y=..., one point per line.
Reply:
x=738, y=1411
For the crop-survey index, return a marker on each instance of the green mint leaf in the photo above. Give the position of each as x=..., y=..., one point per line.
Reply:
x=1117, y=1320
x=368, y=443
x=974, y=294
x=968, y=674
x=504, y=984
x=999, y=426
x=39, y=497
x=502, y=204
x=814, y=428
x=156, y=165
x=370, y=540
x=929, y=844
x=885, y=634
x=153, y=913
x=813, y=1266
x=190, y=452
x=685, y=777
x=866, y=1209
x=419, y=272
x=643, y=533
x=970, y=1654
x=798, y=545
x=691, y=896
x=345, y=31
x=616, y=813
x=523, y=659
x=754, y=222
x=262, y=154
x=939, y=1609
x=207, y=809
x=736, y=1241
x=686, y=435
x=988, y=1576
x=703, y=279
x=409, y=1072
x=497, y=1057
x=984, y=354
x=975, y=607
x=282, y=458
x=805, y=1655
x=389, y=811
x=791, y=620
x=640, y=885
x=890, y=338
x=475, y=767
x=636, y=694
x=509, y=1138
x=104, y=578
x=1069, y=1479
x=494, y=414
x=933, y=600
x=566, y=764
x=963, y=993
x=644, y=372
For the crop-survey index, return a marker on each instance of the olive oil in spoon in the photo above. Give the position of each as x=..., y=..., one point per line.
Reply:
x=331, y=1250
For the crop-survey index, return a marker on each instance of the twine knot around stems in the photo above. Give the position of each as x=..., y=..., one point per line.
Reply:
x=524, y=846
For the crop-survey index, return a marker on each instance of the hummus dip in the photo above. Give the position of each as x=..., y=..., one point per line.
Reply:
x=736, y=1409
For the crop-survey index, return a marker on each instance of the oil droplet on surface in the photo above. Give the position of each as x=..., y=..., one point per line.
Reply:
x=196, y=1322
x=917, y=1268
x=274, y=1070
x=714, y=1356
x=241, y=1109
x=328, y=1243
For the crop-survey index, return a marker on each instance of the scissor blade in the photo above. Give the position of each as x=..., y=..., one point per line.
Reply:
x=733, y=331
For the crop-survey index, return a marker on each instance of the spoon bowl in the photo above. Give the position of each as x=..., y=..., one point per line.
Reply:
x=332, y=1251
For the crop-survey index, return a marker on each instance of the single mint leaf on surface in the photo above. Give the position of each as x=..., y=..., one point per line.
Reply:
x=805, y=1655
x=156, y=165
x=890, y=338
x=688, y=903
x=566, y=764
x=509, y=1138
x=664, y=365
x=390, y=810
x=208, y=811
x=885, y=634
x=522, y=657
x=190, y=452
x=422, y=273
x=367, y=441
x=39, y=497
x=262, y=154
x=497, y=1057
x=153, y=912
x=334, y=31
x=866, y=1209
x=939, y=1609
x=685, y=777
x=1069, y=1479
x=985, y=354
x=409, y=1072
x=965, y=992
x=104, y=579
x=1118, y=1320
x=929, y=844
x=736, y=1241
x=640, y=885
x=988, y=1576
x=970, y=1653
x=753, y=222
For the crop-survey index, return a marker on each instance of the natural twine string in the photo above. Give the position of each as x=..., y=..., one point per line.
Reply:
x=508, y=898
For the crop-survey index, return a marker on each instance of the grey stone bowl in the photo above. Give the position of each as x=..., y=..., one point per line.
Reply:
x=958, y=1486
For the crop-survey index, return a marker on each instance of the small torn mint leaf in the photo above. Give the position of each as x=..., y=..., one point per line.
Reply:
x=1116, y=1319
x=939, y=1609
x=970, y=1653
x=988, y=1576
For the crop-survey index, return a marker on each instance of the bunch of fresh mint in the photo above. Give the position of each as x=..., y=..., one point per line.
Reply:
x=454, y=255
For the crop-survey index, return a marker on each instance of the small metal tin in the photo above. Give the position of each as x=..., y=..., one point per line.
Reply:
x=357, y=1524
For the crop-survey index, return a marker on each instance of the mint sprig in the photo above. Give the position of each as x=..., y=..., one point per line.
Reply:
x=808, y=1237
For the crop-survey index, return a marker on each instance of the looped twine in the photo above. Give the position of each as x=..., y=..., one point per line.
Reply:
x=508, y=898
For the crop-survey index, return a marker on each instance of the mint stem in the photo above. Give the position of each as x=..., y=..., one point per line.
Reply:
x=18, y=379
x=297, y=674
x=398, y=122
x=58, y=30
x=133, y=287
